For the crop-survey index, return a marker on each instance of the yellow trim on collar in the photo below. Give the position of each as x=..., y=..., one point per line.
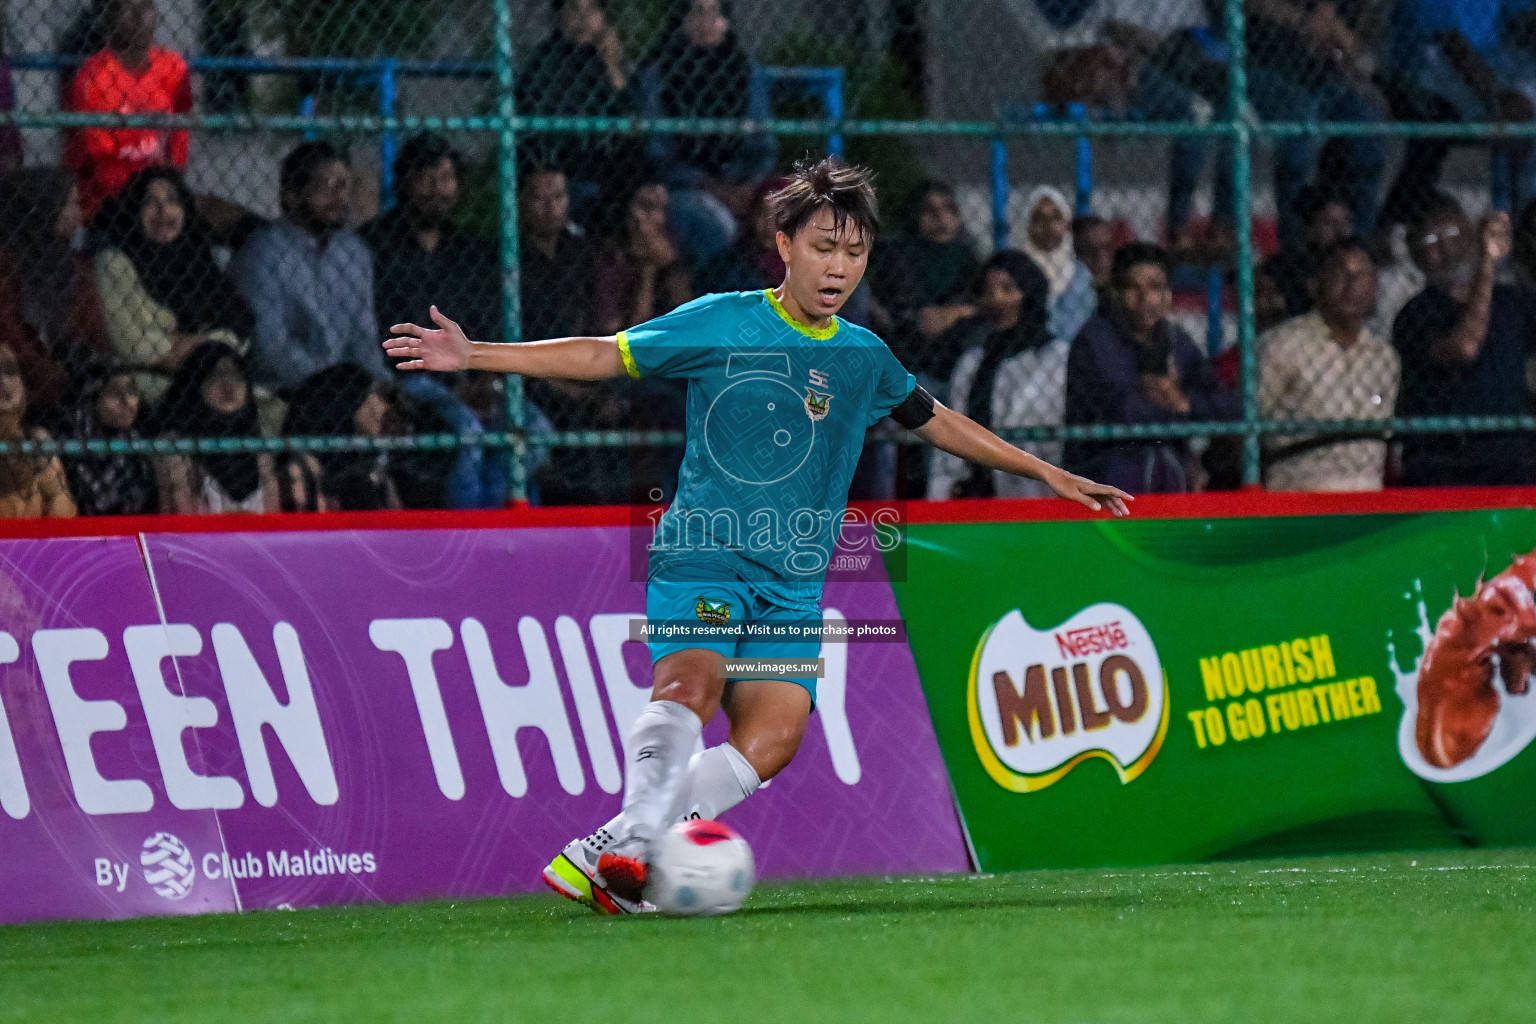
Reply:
x=628, y=357
x=819, y=333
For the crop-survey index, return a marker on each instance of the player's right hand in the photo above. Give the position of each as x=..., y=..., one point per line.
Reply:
x=423, y=348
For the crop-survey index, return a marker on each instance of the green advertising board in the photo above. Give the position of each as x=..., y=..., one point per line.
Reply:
x=1153, y=691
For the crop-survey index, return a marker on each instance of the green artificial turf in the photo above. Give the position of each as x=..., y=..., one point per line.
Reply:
x=1398, y=938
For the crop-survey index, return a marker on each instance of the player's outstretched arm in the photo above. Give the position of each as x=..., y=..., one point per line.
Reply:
x=960, y=435
x=446, y=348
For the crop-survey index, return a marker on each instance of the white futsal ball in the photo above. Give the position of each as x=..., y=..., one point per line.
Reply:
x=700, y=868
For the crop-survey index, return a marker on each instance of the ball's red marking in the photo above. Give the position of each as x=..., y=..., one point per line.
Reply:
x=705, y=833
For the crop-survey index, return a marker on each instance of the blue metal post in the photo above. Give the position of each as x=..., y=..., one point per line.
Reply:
x=1079, y=113
x=999, y=194
x=835, y=109
x=387, y=70
x=1214, y=328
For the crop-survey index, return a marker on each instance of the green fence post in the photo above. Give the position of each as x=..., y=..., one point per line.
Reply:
x=1242, y=202
x=511, y=283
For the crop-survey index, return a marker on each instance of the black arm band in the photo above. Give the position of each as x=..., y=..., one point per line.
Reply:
x=916, y=410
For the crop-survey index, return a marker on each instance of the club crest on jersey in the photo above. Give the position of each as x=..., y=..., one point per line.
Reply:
x=817, y=404
x=715, y=613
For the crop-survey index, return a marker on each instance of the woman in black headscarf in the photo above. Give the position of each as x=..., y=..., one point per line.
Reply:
x=210, y=397
x=163, y=293
x=344, y=400
x=1011, y=373
x=107, y=409
x=50, y=314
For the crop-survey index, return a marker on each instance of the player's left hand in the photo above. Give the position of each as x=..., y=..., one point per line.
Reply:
x=1095, y=496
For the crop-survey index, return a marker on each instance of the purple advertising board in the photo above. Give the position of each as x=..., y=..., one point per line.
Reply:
x=86, y=822
x=400, y=715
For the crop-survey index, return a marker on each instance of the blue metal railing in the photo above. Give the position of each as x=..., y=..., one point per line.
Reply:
x=384, y=73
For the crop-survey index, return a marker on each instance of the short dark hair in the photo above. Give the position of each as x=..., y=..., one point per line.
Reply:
x=1332, y=254
x=424, y=151
x=1134, y=254
x=1431, y=206
x=828, y=184
x=1312, y=200
x=525, y=177
x=1084, y=221
x=299, y=166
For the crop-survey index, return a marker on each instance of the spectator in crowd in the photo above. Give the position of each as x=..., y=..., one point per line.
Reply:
x=1305, y=64
x=1327, y=365
x=1093, y=239
x=130, y=75
x=307, y=278
x=639, y=275
x=1222, y=459
x=1463, y=343
x=1468, y=60
x=1326, y=219
x=701, y=69
x=30, y=485
x=163, y=292
x=210, y=397
x=753, y=262
x=107, y=409
x=1178, y=62
x=421, y=256
x=558, y=278
x=920, y=283
x=578, y=71
x=1131, y=364
x=1012, y=373
x=1048, y=241
x=50, y=313
x=340, y=400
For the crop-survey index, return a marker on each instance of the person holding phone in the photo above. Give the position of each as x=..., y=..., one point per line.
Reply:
x=1131, y=364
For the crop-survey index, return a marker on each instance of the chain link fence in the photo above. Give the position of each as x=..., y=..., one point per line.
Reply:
x=1174, y=244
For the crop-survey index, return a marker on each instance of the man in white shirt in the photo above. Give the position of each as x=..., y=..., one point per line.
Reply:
x=1327, y=365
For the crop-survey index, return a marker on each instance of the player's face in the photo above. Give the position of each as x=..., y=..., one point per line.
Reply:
x=824, y=265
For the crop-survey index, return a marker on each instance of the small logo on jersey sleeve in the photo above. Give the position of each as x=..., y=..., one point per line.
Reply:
x=817, y=404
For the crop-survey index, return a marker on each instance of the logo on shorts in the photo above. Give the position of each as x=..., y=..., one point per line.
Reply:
x=1041, y=702
x=817, y=404
x=715, y=613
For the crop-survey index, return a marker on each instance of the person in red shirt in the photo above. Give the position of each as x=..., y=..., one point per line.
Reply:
x=130, y=76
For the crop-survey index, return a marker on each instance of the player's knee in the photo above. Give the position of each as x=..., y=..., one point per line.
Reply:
x=769, y=749
x=694, y=683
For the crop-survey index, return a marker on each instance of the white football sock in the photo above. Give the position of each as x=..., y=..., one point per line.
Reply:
x=660, y=744
x=718, y=779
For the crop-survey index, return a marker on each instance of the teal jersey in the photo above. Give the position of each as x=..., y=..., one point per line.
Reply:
x=776, y=418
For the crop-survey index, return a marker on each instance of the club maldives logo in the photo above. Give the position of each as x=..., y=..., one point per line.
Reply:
x=1043, y=701
x=167, y=865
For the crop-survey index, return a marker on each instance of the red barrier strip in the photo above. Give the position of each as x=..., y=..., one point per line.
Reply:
x=1213, y=505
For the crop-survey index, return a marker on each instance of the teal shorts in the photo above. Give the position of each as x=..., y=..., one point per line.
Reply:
x=718, y=602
